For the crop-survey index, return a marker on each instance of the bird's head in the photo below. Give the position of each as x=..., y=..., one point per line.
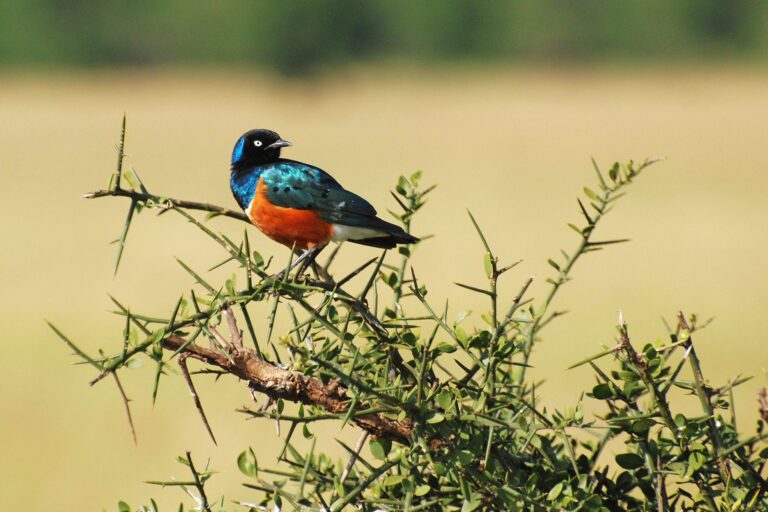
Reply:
x=257, y=147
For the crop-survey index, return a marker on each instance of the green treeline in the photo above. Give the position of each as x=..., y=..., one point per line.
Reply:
x=299, y=36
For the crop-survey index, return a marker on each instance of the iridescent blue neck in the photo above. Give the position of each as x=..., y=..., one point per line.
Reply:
x=243, y=183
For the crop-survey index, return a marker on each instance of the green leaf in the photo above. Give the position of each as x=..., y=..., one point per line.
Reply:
x=466, y=456
x=470, y=505
x=229, y=285
x=629, y=460
x=445, y=347
x=131, y=179
x=695, y=461
x=593, y=503
x=156, y=336
x=603, y=391
x=461, y=316
x=422, y=490
x=613, y=173
x=488, y=265
x=555, y=492
x=380, y=448
x=591, y=194
x=435, y=418
x=445, y=399
x=392, y=480
x=461, y=335
x=123, y=506
x=402, y=186
x=246, y=466
x=257, y=259
x=642, y=426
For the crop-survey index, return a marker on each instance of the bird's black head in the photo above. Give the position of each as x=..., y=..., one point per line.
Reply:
x=257, y=147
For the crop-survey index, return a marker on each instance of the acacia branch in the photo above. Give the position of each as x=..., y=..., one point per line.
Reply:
x=147, y=198
x=152, y=200
x=278, y=383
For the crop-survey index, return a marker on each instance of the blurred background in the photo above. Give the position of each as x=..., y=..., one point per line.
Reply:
x=501, y=104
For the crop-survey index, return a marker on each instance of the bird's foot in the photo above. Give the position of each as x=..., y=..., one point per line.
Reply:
x=279, y=276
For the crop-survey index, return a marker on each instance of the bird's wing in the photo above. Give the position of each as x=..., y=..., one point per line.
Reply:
x=296, y=185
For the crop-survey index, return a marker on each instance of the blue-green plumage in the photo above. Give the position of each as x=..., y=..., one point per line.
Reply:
x=296, y=185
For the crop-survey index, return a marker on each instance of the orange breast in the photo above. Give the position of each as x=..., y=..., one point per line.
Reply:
x=288, y=226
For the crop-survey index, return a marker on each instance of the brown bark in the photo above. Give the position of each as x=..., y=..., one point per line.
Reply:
x=278, y=383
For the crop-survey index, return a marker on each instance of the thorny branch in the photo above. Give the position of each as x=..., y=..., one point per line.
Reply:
x=277, y=383
x=148, y=198
x=249, y=365
x=470, y=443
x=199, y=485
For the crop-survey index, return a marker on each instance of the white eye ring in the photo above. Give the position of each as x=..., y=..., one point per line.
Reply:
x=257, y=143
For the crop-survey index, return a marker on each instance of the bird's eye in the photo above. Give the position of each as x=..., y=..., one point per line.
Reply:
x=257, y=143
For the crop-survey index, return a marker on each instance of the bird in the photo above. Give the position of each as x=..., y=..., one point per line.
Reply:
x=300, y=205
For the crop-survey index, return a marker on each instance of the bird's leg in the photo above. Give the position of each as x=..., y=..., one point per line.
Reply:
x=309, y=258
x=283, y=273
x=320, y=273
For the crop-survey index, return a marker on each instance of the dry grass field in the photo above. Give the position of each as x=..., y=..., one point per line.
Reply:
x=512, y=147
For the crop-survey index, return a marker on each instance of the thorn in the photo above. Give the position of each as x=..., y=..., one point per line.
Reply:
x=235, y=333
x=355, y=455
x=185, y=372
x=127, y=407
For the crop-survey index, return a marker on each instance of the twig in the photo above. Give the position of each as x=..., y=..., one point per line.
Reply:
x=706, y=404
x=198, y=484
x=609, y=196
x=163, y=202
x=348, y=498
x=661, y=402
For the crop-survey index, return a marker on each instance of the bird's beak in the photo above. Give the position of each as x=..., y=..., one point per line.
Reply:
x=280, y=143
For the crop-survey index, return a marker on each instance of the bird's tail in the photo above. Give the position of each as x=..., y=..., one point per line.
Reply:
x=391, y=236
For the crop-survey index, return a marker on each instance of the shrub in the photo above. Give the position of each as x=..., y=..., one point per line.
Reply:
x=449, y=415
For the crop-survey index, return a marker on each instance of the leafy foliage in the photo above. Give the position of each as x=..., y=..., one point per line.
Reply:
x=450, y=417
x=296, y=37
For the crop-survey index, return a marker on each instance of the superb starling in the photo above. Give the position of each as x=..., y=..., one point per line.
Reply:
x=300, y=205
